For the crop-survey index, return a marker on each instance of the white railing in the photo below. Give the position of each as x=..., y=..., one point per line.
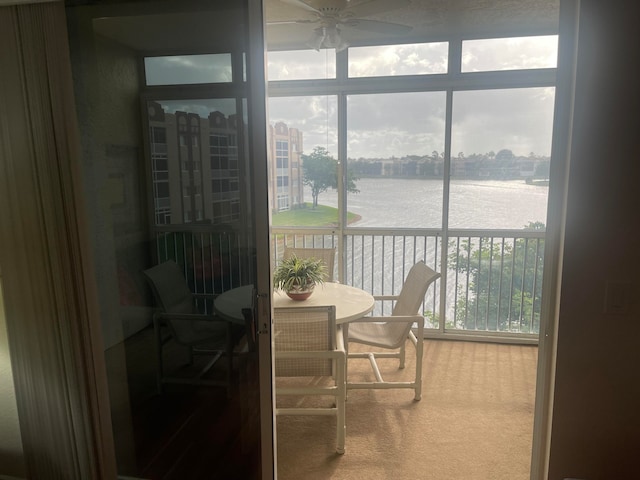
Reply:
x=490, y=285
x=213, y=259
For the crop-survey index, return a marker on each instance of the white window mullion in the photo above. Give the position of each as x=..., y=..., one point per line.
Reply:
x=342, y=72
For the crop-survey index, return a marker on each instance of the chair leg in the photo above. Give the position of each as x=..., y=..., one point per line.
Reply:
x=419, y=355
x=190, y=357
x=341, y=397
x=229, y=353
x=402, y=355
x=345, y=338
x=159, y=367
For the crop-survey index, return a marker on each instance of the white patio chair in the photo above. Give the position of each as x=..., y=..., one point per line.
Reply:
x=391, y=332
x=179, y=318
x=307, y=344
x=327, y=255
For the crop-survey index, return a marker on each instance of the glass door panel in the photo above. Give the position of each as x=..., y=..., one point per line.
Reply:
x=175, y=191
x=303, y=160
x=500, y=155
x=395, y=143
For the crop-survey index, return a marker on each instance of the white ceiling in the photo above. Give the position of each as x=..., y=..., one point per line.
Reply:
x=428, y=19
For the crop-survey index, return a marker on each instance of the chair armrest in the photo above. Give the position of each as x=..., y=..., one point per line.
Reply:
x=385, y=297
x=326, y=354
x=205, y=296
x=190, y=317
x=340, y=340
x=390, y=318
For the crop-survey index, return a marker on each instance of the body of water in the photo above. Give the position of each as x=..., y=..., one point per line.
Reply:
x=417, y=203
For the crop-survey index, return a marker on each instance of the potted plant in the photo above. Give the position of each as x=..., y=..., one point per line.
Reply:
x=298, y=276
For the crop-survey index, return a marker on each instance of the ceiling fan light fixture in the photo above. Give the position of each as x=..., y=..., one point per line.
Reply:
x=329, y=16
x=327, y=37
x=317, y=39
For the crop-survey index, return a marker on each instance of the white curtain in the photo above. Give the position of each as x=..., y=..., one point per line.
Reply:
x=48, y=284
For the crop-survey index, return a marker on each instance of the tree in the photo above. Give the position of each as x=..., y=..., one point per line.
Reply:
x=503, y=281
x=320, y=172
x=505, y=154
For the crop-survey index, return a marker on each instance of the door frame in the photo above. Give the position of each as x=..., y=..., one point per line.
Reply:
x=72, y=399
x=554, y=240
x=553, y=264
x=258, y=151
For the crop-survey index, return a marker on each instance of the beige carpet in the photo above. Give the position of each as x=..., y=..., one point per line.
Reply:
x=474, y=421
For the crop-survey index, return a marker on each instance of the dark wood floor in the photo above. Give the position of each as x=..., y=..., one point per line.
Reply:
x=189, y=432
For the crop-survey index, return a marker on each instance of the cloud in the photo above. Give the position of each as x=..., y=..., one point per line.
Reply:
x=510, y=53
x=202, y=107
x=398, y=124
x=301, y=65
x=316, y=116
x=411, y=59
x=383, y=125
x=188, y=69
x=490, y=120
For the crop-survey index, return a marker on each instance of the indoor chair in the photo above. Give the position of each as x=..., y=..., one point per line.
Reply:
x=179, y=317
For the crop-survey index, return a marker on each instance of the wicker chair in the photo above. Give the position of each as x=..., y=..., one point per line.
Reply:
x=307, y=344
x=327, y=255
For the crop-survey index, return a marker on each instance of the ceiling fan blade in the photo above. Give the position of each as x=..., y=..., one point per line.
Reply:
x=300, y=4
x=375, y=26
x=292, y=22
x=371, y=7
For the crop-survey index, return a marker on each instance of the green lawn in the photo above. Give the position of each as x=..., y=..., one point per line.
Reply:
x=321, y=216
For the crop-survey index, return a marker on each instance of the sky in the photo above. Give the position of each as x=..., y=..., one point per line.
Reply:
x=396, y=124
x=399, y=124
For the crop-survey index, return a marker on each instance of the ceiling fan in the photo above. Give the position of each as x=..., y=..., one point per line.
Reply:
x=330, y=17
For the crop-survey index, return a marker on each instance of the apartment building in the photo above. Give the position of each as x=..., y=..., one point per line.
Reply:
x=285, y=149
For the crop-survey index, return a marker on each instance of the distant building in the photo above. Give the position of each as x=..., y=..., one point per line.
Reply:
x=196, y=176
x=285, y=167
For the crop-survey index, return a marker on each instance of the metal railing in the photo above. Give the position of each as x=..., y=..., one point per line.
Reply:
x=491, y=281
x=490, y=285
x=213, y=259
x=495, y=281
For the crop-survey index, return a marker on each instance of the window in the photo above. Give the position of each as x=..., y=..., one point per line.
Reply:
x=283, y=202
x=162, y=189
x=393, y=60
x=158, y=135
x=282, y=154
x=310, y=123
x=181, y=171
x=519, y=53
x=163, y=216
x=188, y=69
x=301, y=65
x=396, y=136
x=160, y=163
x=493, y=149
x=283, y=181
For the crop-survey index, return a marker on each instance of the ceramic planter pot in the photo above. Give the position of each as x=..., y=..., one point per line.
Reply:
x=300, y=293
